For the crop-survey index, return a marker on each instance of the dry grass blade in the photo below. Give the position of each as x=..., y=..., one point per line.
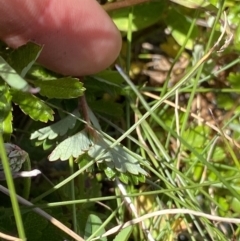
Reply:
x=200, y=119
x=8, y=237
x=167, y=212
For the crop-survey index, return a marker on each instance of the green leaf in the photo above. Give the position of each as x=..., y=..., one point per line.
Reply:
x=219, y=154
x=225, y=101
x=196, y=4
x=106, y=81
x=124, y=234
x=197, y=136
x=32, y=106
x=197, y=172
x=96, y=83
x=109, y=108
x=235, y=205
x=34, y=226
x=73, y=146
x=92, y=225
x=64, y=88
x=116, y=157
x=59, y=128
x=53, y=233
x=7, y=126
x=179, y=26
x=234, y=79
x=23, y=58
x=223, y=204
x=80, y=144
x=39, y=72
x=144, y=15
x=111, y=77
x=11, y=77
x=5, y=110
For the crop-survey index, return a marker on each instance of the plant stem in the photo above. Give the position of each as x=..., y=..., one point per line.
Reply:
x=27, y=180
x=74, y=211
x=12, y=191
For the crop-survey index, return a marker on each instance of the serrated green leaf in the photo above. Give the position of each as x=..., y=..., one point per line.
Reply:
x=179, y=26
x=32, y=106
x=124, y=234
x=39, y=72
x=23, y=58
x=73, y=146
x=117, y=157
x=144, y=15
x=64, y=88
x=110, y=173
x=92, y=225
x=123, y=178
x=59, y=128
x=11, y=77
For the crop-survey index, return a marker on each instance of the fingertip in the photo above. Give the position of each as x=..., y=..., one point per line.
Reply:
x=78, y=37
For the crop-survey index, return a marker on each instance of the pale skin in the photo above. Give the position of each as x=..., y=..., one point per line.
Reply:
x=77, y=36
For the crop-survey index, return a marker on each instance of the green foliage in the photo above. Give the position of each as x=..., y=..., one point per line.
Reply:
x=5, y=110
x=74, y=146
x=107, y=108
x=124, y=234
x=173, y=154
x=144, y=16
x=179, y=26
x=64, y=88
x=8, y=74
x=32, y=106
x=80, y=143
x=205, y=5
x=59, y=128
x=92, y=226
x=37, y=228
x=23, y=58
